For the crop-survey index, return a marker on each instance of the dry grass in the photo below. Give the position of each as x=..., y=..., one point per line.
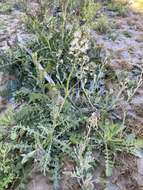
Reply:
x=137, y=5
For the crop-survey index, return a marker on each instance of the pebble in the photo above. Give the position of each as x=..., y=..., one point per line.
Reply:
x=140, y=166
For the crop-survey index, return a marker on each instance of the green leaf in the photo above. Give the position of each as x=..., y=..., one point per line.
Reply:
x=28, y=156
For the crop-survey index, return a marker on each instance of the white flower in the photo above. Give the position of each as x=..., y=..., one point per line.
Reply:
x=75, y=42
x=77, y=34
x=84, y=48
x=86, y=58
x=84, y=41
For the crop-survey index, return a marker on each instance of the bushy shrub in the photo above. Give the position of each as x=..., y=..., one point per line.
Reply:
x=64, y=106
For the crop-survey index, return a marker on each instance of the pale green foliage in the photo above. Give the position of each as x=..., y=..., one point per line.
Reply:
x=84, y=169
x=7, y=119
x=102, y=25
x=84, y=163
x=6, y=166
x=90, y=9
x=119, y=6
x=5, y=7
x=49, y=134
x=110, y=136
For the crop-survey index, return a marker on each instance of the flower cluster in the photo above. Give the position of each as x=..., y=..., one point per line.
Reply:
x=79, y=48
x=80, y=44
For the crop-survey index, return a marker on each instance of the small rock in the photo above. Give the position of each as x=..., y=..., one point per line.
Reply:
x=39, y=182
x=140, y=166
x=111, y=186
x=140, y=38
